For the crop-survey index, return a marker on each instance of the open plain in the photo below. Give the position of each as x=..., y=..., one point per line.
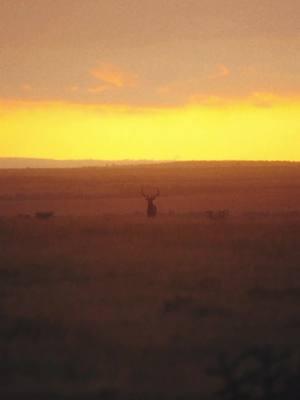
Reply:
x=99, y=302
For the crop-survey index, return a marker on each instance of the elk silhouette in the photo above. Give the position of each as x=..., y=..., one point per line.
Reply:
x=218, y=214
x=151, y=207
x=44, y=214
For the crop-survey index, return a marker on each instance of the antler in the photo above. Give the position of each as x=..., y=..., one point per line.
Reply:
x=142, y=192
x=157, y=194
x=153, y=197
x=149, y=197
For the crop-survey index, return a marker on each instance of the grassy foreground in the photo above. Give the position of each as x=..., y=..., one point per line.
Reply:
x=126, y=308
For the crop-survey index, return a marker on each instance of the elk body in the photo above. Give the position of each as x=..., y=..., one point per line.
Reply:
x=44, y=214
x=218, y=214
x=151, y=207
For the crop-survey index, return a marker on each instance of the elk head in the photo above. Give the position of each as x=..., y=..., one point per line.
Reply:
x=151, y=207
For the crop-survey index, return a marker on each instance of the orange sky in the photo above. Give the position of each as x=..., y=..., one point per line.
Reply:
x=159, y=79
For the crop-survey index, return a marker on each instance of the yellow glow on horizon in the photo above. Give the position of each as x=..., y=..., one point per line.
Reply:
x=260, y=128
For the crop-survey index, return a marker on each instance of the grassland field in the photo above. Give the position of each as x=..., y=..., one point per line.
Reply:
x=100, y=302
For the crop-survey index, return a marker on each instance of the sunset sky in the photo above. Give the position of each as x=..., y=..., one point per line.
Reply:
x=150, y=79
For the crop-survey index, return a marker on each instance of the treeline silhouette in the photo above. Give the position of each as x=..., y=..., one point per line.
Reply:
x=259, y=373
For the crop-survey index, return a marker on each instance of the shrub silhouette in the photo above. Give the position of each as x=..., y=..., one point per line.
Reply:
x=259, y=373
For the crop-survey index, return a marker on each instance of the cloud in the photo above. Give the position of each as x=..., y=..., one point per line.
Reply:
x=26, y=87
x=248, y=70
x=177, y=89
x=97, y=89
x=164, y=89
x=113, y=75
x=221, y=72
x=265, y=99
x=258, y=99
x=73, y=88
x=210, y=100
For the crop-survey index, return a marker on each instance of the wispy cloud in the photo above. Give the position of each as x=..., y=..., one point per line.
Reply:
x=73, y=88
x=222, y=71
x=258, y=99
x=248, y=70
x=264, y=99
x=209, y=100
x=113, y=75
x=97, y=89
x=26, y=87
x=176, y=88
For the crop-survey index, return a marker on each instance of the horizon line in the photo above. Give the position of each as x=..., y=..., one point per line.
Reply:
x=139, y=160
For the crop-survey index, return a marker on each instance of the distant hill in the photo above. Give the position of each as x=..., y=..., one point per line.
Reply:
x=23, y=163
x=20, y=163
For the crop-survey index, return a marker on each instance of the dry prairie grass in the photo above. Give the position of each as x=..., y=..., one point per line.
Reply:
x=95, y=305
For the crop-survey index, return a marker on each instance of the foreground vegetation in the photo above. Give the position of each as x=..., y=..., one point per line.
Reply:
x=126, y=308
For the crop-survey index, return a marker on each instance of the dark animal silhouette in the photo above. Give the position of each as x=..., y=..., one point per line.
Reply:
x=151, y=207
x=218, y=214
x=25, y=216
x=44, y=215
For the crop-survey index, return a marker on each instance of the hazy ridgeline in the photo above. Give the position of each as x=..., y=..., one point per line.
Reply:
x=106, y=306
x=185, y=187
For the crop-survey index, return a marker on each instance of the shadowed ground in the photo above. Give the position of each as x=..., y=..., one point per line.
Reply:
x=122, y=308
x=95, y=305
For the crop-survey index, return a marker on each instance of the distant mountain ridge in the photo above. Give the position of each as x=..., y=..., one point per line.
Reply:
x=21, y=163
x=40, y=163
